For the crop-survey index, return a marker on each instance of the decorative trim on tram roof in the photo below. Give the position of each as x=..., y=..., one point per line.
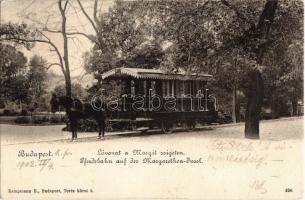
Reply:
x=140, y=73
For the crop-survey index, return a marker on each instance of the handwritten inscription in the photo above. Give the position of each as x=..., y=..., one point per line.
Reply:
x=258, y=186
x=41, y=160
x=249, y=158
x=42, y=164
x=233, y=145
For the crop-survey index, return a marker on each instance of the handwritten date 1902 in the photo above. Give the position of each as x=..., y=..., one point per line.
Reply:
x=41, y=164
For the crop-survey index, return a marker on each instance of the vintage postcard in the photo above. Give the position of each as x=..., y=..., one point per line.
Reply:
x=116, y=99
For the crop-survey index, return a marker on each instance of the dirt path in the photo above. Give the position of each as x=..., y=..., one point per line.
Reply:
x=279, y=129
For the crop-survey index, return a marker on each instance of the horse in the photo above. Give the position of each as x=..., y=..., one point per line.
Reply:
x=77, y=110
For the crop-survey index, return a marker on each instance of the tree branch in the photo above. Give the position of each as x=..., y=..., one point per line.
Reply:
x=87, y=16
x=56, y=50
x=52, y=64
x=95, y=12
x=65, y=6
x=238, y=14
x=15, y=39
x=184, y=16
x=88, y=36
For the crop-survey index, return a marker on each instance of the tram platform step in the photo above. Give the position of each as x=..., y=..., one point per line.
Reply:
x=131, y=120
x=142, y=129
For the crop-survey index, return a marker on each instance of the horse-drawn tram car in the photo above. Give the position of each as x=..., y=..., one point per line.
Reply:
x=144, y=99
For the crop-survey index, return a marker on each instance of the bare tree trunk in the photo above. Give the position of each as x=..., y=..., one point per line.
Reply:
x=255, y=92
x=235, y=106
x=66, y=52
x=273, y=107
x=294, y=103
x=68, y=85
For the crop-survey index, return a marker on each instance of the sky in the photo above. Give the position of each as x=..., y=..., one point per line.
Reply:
x=38, y=12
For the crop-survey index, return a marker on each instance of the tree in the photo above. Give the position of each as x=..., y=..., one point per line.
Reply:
x=39, y=36
x=10, y=32
x=269, y=47
x=284, y=80
x=198, y=34
x=231, y=67
x=212, y=28
x=231, y=40
x=123, y=41
x=12, y=71
x=15, y=90
x=77, y=91
x=222, y=30
x=36, y=83
x=254, y=90
x=12, y=62
x=36, y=76
x=292, y=79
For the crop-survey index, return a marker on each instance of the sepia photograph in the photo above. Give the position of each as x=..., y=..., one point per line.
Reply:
x=151, y=99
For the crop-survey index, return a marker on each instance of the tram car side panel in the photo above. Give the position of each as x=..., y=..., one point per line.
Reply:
x=153, y=97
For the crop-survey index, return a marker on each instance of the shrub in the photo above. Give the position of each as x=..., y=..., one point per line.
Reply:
x=57, y=119
x=40, y=119
x=24, y=112
x=64, y=119
x=87, y=125
x=22, y=120
x=6, y=112
x=224, y=118
x=84, y=125
x=12, y=112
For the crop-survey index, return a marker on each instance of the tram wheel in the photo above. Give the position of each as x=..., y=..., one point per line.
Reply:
x=192, y=126
x=108, y=126
x=167, y=127
x=189, y=126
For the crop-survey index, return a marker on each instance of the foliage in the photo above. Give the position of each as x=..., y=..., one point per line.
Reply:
x=77, y=91
x=217, y=37
x=17, y=34
x=8, y=112
x=122, y=41
x=12, y=62
x=36, y=76
x=230, y=44
x=20, y=84
x=24, y=112
x=22, y=120
x=84, y=125
x=14, y=89
x=58, y=119
x=40, y=119
x=283, y=73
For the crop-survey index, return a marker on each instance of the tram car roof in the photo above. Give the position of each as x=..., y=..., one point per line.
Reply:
x=159, y=74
